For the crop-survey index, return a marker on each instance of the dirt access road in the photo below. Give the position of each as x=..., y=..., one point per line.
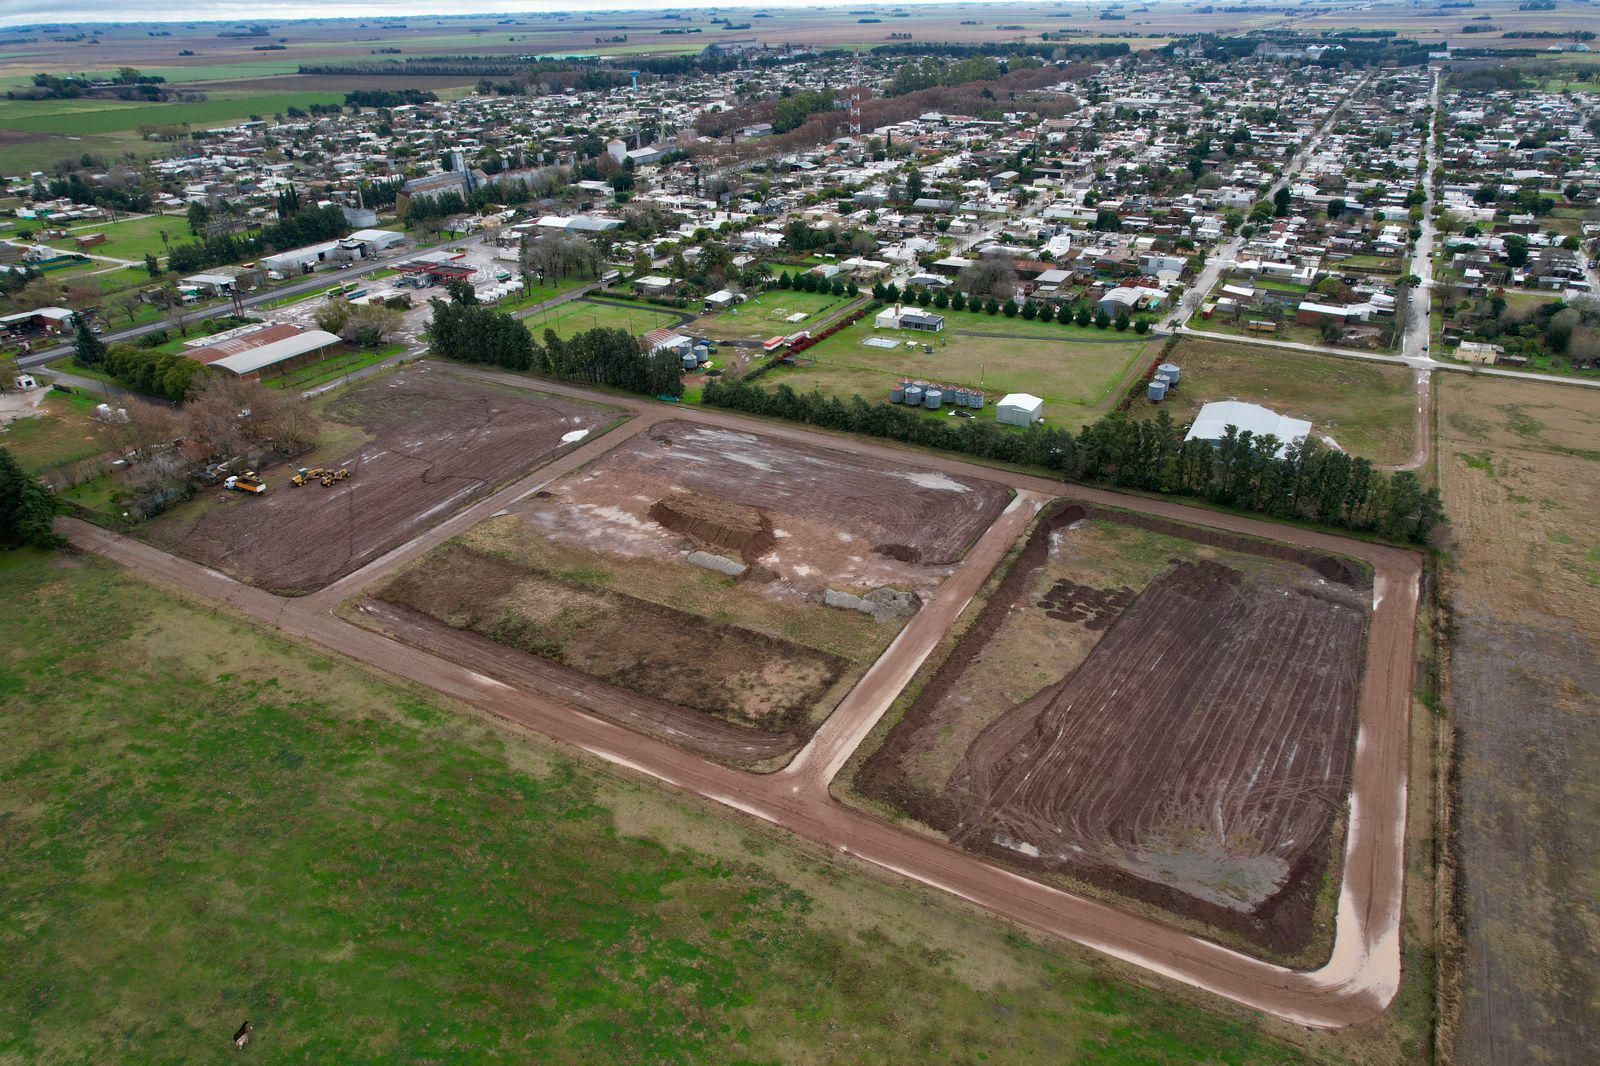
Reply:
x=1354, y=986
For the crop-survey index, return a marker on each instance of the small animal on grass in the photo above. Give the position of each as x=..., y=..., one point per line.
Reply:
x=242, y=1037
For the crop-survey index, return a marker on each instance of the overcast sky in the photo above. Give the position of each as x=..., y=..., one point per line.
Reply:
x=16, y=12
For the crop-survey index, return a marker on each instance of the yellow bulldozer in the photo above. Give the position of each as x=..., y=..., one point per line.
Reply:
x=325, y=474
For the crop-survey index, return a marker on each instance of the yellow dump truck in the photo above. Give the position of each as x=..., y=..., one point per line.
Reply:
x=246, y=482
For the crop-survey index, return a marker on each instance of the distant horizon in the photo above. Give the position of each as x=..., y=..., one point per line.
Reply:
x=24, y=13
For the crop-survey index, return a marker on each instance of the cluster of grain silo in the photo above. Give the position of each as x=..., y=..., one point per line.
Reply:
x=1165, y=380
x=934, y=396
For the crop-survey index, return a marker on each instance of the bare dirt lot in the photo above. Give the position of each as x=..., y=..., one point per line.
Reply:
x=1164, y=717
x=729, y=588
x=419, y=444
x=1520, y=466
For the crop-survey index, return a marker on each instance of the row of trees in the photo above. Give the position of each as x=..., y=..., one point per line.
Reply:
x=1305, y=482
x=1079, y=313
x=370, y=325
x=169, y=376
x=304, y=227
x=462, y=329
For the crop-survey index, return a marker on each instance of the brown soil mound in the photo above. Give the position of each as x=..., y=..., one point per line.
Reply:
x=722, y=523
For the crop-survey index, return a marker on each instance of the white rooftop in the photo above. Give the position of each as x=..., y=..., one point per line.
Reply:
x=1214, y=419
x=274, y=352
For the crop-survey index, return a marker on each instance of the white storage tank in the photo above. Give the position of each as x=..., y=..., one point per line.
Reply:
x=1171, y=372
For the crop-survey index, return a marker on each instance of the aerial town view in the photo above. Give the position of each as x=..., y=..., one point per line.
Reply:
x=1047, y=531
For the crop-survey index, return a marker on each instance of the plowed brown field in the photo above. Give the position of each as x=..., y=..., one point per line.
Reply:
x=419, y=445
x=603, y=575
x=1194, y=755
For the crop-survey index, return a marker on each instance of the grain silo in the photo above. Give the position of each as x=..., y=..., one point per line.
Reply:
x=1171, y=372
x=932, y=397
x=975, y=400
x=1157, y=389
x=897, y=392
x=913, y=395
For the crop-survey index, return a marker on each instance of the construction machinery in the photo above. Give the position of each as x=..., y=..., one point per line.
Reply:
x=248, y=481
x=325, y=474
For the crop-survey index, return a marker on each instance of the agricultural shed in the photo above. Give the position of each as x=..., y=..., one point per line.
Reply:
x=275, y=347
x=1212, y=423
x=1019, y=409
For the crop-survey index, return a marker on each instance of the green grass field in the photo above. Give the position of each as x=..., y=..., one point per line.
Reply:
x=219, y=110
x=1075, y=370
x=64, y=432
x=580, y=315
x=44, y=133
x=766, y=315
x=539, y=294
x=205, y=824
x=131, y=238
x=331, y=369
x=1369, y=409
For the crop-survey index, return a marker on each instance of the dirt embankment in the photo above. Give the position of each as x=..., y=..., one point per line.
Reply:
x=719, y=523
x=728, y=692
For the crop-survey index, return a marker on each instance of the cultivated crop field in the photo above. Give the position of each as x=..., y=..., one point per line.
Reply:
x=1149, y=709
x=1520, y=465
x=34, y=134
x=728, y=588
x=1077, y=371
x=1367, y=409
x=420, y=445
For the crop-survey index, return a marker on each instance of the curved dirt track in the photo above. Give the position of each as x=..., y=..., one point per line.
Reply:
x=1354, y=986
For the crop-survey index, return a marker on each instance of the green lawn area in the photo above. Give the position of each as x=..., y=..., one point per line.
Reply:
x=96, y=495
x=539, y=294
x=581, y=315
x=1388, y=264
x=1369, y=409
x=971, y=322
x=331, y=369
x=131, y=238
x=1076, y=371
x=64, y=432
x=206, y=824
x=67, y=366
x=766, y=315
